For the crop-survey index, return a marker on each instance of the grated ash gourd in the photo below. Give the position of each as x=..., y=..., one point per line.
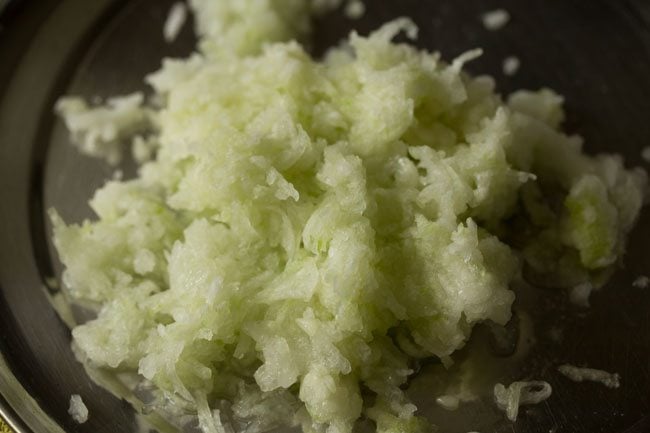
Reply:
x=298, y=210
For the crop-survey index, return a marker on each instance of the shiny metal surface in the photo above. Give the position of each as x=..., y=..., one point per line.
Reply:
x=595, y=52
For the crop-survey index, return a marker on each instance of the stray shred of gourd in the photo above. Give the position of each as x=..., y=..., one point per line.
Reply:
x=78, y=410
x=581, y=374
x=175, y=21
x=495, y=19
x=518, y=394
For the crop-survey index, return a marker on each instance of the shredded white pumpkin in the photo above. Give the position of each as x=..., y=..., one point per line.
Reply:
x=100, y=131
x=290, y=212
x=518, y=394
x=495, y=19
x=511, y=65
x=175, y=21
x=354, y=9
x=78, y=410
x=579, y=374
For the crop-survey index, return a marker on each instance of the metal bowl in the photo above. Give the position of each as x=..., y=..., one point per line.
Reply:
x=595, y=52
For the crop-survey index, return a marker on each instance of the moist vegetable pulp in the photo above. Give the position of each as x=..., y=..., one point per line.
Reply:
x=307, y=228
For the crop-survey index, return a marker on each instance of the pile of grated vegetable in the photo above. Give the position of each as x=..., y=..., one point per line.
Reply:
x=307, y=228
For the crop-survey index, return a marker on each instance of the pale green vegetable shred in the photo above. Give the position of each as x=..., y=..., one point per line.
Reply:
x=308, y=227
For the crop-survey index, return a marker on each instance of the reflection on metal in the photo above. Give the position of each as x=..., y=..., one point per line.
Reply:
x=15, y=398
